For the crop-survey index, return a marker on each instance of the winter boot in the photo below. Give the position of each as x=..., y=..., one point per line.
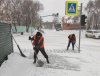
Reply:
x=34, y=61
x=48, y=61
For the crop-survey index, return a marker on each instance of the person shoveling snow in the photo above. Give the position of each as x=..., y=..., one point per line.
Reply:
x=38, y=45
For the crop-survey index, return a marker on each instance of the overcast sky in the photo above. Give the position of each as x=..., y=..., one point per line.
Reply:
x=56, y=6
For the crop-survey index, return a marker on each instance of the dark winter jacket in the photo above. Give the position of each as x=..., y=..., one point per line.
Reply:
x=72, y=38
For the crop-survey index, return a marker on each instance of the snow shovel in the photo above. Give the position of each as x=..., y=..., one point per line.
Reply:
x=19, y=48
x=33, y=48
x=77, y=46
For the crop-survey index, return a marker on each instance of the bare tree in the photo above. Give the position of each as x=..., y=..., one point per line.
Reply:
x=20, y=12
x=30, y=11
x=89, y=6
x=93, y=7
x=1, y=1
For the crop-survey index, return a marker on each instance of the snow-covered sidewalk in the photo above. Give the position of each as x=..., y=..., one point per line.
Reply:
x=19, y=66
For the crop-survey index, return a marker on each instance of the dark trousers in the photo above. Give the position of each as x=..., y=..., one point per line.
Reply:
x=42, y=51
x=69, y=45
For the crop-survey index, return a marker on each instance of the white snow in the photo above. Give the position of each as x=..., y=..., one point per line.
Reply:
x=62, y=62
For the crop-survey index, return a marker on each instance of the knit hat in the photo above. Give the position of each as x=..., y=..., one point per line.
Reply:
x=38, y=34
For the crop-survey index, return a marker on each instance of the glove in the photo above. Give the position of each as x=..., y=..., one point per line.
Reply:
x=29, y=38
x=34, y=48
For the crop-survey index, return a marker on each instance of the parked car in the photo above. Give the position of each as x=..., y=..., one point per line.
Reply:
x=92, y=33
x=58, y=27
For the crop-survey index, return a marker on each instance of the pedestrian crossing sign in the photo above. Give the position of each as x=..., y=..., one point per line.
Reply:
x=71, y=8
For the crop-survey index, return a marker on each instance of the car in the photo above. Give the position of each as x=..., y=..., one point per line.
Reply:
x=58, y=29
x=92, y=33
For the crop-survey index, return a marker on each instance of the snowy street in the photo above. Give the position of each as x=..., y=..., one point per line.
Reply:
x=62, y=62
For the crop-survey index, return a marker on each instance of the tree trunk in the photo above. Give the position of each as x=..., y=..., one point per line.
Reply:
x=15, y=28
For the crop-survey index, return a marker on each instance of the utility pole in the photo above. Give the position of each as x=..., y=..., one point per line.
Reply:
x=80, y=27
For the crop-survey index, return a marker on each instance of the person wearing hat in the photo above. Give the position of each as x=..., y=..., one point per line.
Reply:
x=38, y=45
x=72, y=39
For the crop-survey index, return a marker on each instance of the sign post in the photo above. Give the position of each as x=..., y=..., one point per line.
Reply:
x=71, y=8
x=80, y=27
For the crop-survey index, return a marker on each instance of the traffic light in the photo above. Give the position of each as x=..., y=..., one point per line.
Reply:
x=83, y=17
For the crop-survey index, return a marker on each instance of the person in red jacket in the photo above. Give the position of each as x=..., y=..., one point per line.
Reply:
x=72, y=39
x=38, y=45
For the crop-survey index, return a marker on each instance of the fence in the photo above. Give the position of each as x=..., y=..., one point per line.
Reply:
x=6, y=44
x=22, y=29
